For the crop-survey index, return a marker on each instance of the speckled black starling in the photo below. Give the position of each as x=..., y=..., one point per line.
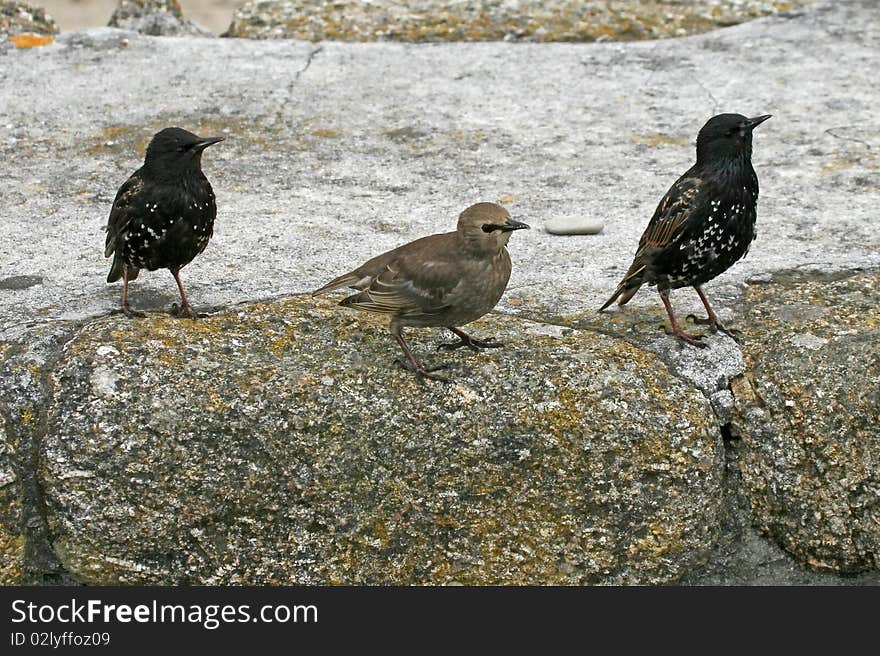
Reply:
x=705, y=222
x=445, y=280
x=163, y=216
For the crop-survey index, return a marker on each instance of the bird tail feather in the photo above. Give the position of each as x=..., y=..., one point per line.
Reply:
x=347, y=280
x=626, y=289
x=118, y=268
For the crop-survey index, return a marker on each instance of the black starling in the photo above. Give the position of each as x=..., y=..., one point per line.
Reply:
x=443, y=280
x=163, y=216
x=705, y=222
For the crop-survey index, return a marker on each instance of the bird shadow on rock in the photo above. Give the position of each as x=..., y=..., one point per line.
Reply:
x=154, y=302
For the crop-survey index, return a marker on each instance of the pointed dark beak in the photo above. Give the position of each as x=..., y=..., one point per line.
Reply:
x=512, y=225
x=201, y=144
x=752, y=123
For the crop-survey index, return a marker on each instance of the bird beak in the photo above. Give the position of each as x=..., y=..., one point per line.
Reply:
x=201, y=144
x=752, y=123
x=512, y=225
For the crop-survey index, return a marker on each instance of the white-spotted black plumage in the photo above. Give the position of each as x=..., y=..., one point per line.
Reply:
x=705, y=222
x=163, y=215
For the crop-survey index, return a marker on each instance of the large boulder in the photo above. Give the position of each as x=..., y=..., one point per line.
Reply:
x=22, y=18
x=11, y=539
x=280, y=444
x=485, y=20
x=808, y=412
x=156, y=18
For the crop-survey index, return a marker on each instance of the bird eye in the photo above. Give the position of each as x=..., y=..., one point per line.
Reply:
x=488, y=227
x=731, y=132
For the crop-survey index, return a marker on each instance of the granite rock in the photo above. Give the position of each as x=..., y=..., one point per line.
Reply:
x=490, y=20
x=808, y=412
x=23, y=18
x=278, y=443
x=155, y=18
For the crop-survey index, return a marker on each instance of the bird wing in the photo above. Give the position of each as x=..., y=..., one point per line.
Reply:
x=676, y=210
x=410, y=287
x=672, y=214
x=123, y=212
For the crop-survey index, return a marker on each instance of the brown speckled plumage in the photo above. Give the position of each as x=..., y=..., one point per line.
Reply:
x=446, y=280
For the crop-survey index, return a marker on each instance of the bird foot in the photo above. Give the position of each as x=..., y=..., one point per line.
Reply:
x=423, y=372
x=184, y=311
x=473, y=344
x=131, y=313
x=715, y=324
x=693, y=340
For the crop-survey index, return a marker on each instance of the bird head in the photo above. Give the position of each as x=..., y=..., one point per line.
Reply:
x=727, y=136
x=175, y=149
x=486, y=227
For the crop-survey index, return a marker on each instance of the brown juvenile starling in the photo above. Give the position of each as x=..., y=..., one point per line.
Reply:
x=704, y=224
x=445, y=280
x=163, y=215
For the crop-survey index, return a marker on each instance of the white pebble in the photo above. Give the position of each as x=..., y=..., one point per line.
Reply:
x=573, y=225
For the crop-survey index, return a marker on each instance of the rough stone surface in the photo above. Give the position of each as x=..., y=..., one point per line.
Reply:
x=745, y=556
x=372, y=145
x=156, y=18
x=808, y=411
x=25, y=364
x=226, y=451
x=491, y=20
x=11, y=539
x=22, y=18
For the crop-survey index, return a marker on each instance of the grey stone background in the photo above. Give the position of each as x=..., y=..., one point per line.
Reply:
x=336, y=151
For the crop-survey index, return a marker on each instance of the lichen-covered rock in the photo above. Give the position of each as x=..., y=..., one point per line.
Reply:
x=488, y=20
x=808, y=411
x=280, y=444
x=22, y=18
x=709, y=369
x=11, y=540
x=155, y=17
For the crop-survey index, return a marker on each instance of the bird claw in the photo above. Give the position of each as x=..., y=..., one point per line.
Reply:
x=473, y=344
x=183, y=311
x=693, y=340
x=423, y=372
x=716, y=325
x=132, y=314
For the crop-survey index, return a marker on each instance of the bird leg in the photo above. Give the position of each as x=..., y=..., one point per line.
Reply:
x=466, y=340
x=695, y=340
x=126, y=308
x=712, y=319
x=413, y=365
x=185, y=309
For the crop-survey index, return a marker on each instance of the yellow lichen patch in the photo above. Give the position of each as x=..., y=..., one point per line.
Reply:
x=27, y=417
x=838, y=162
x=11, y=554
x=507, y=199
x=527, y=20
x=660, y=538
x=135, y=138
x=325, y=133
x=564, y=419
x=30, y=40
x=656, y=140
